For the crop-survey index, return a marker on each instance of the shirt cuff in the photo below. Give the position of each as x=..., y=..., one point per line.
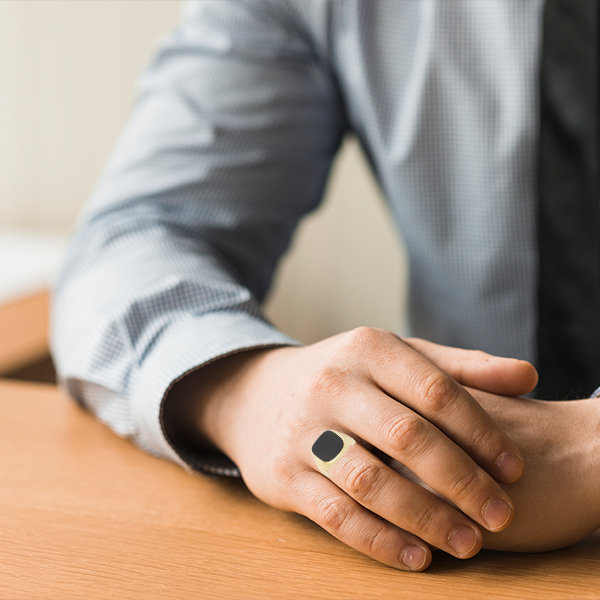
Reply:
x=187, y=344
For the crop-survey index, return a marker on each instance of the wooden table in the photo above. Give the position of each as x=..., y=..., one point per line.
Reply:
x=30, y=259
x=85, y=514
x=24, y=331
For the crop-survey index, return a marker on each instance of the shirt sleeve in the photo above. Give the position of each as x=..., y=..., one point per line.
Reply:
x=236, y=120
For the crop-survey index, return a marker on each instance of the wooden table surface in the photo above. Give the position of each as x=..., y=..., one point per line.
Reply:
x=85, y=514
x=24, y=330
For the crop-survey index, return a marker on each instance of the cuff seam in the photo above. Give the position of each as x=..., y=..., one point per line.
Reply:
x=199, y=464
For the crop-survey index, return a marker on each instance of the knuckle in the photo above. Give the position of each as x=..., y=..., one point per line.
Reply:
x=377, y=544
x=465, y=486
x=424, y=520
x=332, y=513
x=283, y=470
x=293, y=426
x=364, y=345
x=479, y=437
x=438, y=392
x=325, y=380
x=363, y=480
x=362, y=339
x=405, y=433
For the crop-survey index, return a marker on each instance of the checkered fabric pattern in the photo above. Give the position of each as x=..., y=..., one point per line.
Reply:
x=237, y=120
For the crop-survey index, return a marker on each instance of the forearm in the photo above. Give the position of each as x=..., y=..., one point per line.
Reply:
x=226, y=148
x=123, y=332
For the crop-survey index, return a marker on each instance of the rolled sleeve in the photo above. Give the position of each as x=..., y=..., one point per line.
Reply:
x=229, y=144
x=188, y=344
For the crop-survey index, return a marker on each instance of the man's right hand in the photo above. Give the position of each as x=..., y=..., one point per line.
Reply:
x=404, y=398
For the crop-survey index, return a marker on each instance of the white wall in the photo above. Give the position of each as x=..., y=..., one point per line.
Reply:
x=67, y=74
x=346, y=267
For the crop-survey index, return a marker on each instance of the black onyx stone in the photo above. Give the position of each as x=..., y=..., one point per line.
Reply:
x=328, y=446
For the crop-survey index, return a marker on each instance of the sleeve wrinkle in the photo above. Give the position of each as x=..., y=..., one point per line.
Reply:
x=228, y=145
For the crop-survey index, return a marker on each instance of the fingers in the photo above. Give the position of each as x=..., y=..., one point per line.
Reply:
x=414, y=381
x=327, y=505
x=413, y=441
x=407, y=505
x=373, y=386
x=480, y=370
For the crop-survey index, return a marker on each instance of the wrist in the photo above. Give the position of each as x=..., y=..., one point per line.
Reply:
x=195, y=408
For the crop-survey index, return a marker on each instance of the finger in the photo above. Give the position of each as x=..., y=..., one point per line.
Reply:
x=324, y=503
x=407, y=437
x=412, y=379
x=480, y=370
x=407, y=505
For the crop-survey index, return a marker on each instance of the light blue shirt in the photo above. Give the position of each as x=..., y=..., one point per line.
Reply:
x=236, y=123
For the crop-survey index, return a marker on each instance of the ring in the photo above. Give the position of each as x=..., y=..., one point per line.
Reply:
x=328, y=449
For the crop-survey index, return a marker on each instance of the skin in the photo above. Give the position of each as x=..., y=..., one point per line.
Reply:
x=556, y=500
x=265, y=408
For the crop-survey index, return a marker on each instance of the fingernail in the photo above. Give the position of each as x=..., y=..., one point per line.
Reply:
x=414, y=557
x=509, y=467
x=496, y=513
x=463, y=540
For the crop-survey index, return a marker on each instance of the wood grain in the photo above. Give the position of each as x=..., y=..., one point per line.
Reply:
x=85, y=514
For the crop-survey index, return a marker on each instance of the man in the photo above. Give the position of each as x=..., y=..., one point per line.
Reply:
x=157, y=325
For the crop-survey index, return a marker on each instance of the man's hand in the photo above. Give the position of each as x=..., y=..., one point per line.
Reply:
x=558, y=499
x=265, y=409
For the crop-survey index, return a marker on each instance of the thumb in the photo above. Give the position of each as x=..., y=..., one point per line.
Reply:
x=480, y=370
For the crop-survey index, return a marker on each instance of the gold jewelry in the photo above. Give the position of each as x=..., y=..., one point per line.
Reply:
x=328, y=449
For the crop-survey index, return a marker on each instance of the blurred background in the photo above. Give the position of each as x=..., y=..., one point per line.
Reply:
x=67, y=82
